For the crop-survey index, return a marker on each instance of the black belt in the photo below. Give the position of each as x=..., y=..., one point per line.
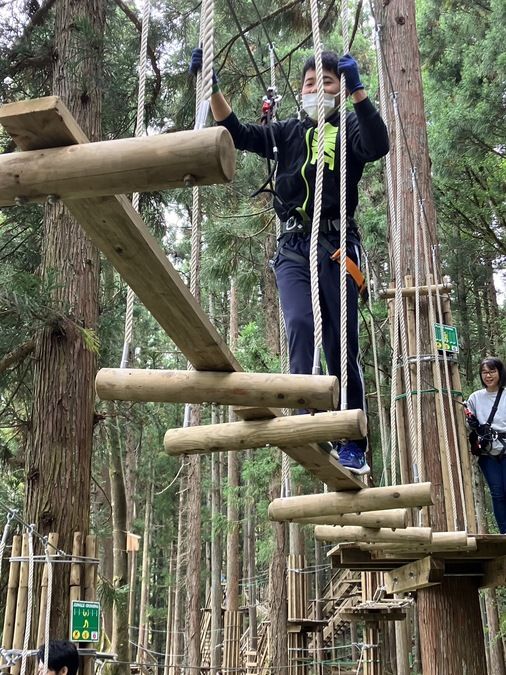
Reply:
x=293, y=226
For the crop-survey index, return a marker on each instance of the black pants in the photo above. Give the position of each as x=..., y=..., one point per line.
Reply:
x=294, y=285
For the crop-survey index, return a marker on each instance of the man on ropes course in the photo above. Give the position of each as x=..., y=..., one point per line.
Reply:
x=293, y=144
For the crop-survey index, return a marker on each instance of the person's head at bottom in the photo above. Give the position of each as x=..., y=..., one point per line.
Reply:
x=63, y=658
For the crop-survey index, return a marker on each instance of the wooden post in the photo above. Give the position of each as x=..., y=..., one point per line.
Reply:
x=12, y=594
x=142, y=164
x=243, y=389
x=53, y=543
x=279, y=431
x=90, y=591
x=368, y=499
x=21, y=605
x=231, y=640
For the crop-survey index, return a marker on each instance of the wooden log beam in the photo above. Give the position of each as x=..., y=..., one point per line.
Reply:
x=181, y=386
x=422, y=573
x=144, y=164
x=393, y=518
x=442, y=542
x=280, y=431
x=410, y=291
x=372, y=616
x=368, y=499
x=407, y=536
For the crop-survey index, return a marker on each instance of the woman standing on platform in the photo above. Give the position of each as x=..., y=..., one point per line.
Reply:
x=486, y=417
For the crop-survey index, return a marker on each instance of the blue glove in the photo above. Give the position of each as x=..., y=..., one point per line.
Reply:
x=196, y=65
x=349, y=67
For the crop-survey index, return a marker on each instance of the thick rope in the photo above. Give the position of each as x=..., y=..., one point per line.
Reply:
x=317, y=207
x=29, y=604
x=381, y=411
x=206, y=78
x=286, y=481
x=449, y=390
x=418, y=468
x=139, y=131
x=343, y=219
x=437, y=377
x=399, y=308
x=49, y=568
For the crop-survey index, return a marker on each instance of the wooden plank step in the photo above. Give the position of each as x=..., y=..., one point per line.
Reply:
x=120, y=233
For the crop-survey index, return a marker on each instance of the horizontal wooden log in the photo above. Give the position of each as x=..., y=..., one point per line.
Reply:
x=279, y=431
x=419, y=574
x=393, y=518
x=143, y=164
x=371, y=616
x=368, y=499
x=421, y=535
x=180, y=386
x=410, y=291
x=441, y=542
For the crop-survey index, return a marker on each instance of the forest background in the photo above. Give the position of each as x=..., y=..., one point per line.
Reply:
x=464, y=71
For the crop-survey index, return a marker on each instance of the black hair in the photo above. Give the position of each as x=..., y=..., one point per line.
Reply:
x=61, y=653
x=493, y=363
x=330, y=62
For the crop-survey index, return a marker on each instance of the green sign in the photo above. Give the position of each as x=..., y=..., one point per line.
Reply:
x=446, y=338
x=85, y=621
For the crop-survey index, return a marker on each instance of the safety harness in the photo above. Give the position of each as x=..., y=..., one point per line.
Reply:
x=292, y=226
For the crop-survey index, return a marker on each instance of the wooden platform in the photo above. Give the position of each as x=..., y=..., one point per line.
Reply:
x=306, y=625
x=488, y=562
x=120, y=233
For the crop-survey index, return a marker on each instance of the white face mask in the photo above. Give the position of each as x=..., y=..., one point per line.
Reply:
x=310, y=104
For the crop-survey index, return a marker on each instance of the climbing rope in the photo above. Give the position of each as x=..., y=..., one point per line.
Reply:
x=139, y=131
x=28, y=625
x=49, y=570
x=343, y=219
x=400, y=321
x=381, y=411
x=448, y=389
x=437, y=378
x=418, y=468
x=317, y=206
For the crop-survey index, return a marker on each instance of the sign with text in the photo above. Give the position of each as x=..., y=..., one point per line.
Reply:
x=446, y=338
x=85, y=621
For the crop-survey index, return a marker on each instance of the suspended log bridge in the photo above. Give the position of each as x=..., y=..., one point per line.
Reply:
x=280, y=431
x=368, y=499
x=143, y=164
x=190, y=386
x=120, y=233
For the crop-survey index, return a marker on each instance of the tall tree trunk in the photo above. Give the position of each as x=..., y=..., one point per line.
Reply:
x=142, y=640
x=216, y=559
x=120, y=636
x=176, y=644
x=250, y=548
x=270, y=305
x=278, y=593
x=439, y=607
x=233, y=561
x=58, y=458
x=462, y=299
x=193, y=600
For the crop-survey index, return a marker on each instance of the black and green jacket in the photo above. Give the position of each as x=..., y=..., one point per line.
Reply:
x=367, y=141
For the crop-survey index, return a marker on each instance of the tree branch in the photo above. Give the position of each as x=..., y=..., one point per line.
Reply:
x=17, y=355
x=37, y=19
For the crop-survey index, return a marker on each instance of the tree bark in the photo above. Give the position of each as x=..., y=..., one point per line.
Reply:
x=216, y=559
x=278, y=594
x=193, y=600
x=142, y=640
x=58, y=459
x=120, y=629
